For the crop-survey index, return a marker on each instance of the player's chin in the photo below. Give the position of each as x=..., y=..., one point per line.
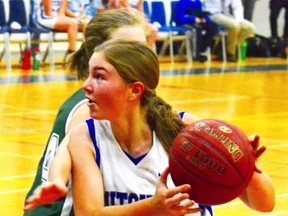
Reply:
x=93, y=113
x=96, y=114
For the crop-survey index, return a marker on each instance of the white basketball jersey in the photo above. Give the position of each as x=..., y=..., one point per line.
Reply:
x=124, y=180
x=133, y=3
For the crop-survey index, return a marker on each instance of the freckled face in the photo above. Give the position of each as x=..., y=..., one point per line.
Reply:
x=106, y=92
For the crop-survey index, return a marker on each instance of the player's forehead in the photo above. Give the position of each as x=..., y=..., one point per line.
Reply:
x=129, y=32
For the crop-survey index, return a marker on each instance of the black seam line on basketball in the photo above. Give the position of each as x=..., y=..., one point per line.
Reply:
x=203, y=179
x=219, y=152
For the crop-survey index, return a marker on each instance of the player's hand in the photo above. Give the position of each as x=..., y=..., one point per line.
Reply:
x=198, y=20
x=45, y=194
x=254, y=139
x=174, y=201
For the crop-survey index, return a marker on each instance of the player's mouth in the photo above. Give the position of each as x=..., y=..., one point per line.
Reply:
x=90, y=102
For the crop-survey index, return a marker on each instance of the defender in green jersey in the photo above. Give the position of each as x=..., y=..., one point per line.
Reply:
x=108, y=25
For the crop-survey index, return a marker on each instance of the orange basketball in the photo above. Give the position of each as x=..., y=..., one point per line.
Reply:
x=215, y=158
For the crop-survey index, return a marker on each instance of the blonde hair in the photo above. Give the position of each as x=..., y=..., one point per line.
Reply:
x=135, y=61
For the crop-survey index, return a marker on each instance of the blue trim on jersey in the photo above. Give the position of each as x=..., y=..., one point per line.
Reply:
x=181, y=114
x=135, y=160
x=91, y=128
x=208, y=208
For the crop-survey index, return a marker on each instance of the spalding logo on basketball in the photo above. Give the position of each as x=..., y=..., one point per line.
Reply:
x=215, y=158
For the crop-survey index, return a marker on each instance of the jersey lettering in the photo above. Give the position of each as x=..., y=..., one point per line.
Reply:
x=118, y=198
x=49, y=155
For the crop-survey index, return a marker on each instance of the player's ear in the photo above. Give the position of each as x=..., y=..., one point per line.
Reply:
x=137, y=89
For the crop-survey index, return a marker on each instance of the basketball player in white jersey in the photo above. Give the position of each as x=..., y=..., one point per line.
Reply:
x=118, y=156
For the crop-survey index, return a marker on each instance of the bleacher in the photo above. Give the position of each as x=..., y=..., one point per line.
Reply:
x=17, y=27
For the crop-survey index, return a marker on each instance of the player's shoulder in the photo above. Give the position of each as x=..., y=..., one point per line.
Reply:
x=187, y=118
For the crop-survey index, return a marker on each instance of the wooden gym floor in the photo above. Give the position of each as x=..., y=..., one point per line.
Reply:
x=251, y=94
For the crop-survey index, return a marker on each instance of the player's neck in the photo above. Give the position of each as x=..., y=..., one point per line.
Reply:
x=135, y=141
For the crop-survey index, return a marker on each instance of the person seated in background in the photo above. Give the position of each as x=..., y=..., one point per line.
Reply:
x=230, y=15
x=77, y=11
x=275, y=7
x=249, y=6
x=150, y=29
x=190, y=12
x=97, y=6
x=53, y=15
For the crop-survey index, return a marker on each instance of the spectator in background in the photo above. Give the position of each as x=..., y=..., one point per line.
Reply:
x=248, y=6
x=77, y=11
x=53, y=15
x=275, y=8
x=97, y=6
x=189, y=12
x=150, y=30
x=238, y=28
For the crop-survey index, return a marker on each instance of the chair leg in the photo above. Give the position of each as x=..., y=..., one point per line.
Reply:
x=49, y=51
x=171, y=46
x=50, y=47
x=239, y=52
x=2, y=54
x=28, y=40
x=194, y=43
x=7, y=52
x=21, y=51
x=189, y=52
x=224, y=55
x=208, y=53
x=182, y=48
x=164, y=48
x=45, y=54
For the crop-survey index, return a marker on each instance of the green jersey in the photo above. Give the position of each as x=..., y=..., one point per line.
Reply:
x=64, y=205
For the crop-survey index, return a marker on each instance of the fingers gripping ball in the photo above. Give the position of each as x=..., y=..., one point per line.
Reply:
x=215, y=158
